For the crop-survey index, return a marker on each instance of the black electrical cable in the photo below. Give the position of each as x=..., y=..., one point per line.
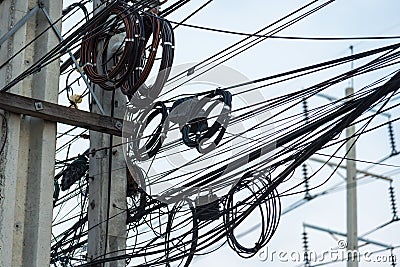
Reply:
x=143, y=64
x=154, y=143
x=269, y=215
x=323, y=83
x=170, y=230
x=300, y=38
x=143, y=95
x=4, y=130
x=257, y=153
x=198, y=125
x=79, y=5
x=227, y=54
x=173, y=7
x=192, y=14
x=108, y=259
x=182, y=253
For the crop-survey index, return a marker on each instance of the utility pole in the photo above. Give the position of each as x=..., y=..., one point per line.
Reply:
x=27, y=163
x=107, y=183
x=351, y=187
x=351, y=190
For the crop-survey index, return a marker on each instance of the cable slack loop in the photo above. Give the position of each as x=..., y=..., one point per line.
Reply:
x=255, y=184
x=154, y=141
x=110, y=70
x=120, y=49
x=144, y=62
x=197, y=133
x=174, y=239
x=162, y=34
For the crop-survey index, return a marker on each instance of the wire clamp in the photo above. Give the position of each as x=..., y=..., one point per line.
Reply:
x=118, y=125
x=39, y=106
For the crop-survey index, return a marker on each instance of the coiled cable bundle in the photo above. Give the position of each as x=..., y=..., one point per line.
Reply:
x=251, y=186
x=144, y=95
x=196, y=132
x=95, y=57
x=180, y=218
x=120, y=49
x=154, y=141
x=144, y=63
x=190, y=113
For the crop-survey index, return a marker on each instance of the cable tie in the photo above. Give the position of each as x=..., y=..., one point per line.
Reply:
x=89, y=64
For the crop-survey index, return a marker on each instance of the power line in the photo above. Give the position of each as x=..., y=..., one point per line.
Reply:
x=300, y=38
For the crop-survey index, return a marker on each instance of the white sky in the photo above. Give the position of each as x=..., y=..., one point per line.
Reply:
x=342, y=18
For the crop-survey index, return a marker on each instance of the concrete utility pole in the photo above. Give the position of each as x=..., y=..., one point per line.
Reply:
x=352, y=235
x=27, y=164
x=107, y=192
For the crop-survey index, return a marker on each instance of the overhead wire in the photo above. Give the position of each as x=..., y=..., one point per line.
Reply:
x=300, y=38
x=227, y=55
x=209, y=236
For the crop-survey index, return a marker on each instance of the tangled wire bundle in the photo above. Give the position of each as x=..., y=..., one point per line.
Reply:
x=190, y=114
x=269, y=209
x=112, y=63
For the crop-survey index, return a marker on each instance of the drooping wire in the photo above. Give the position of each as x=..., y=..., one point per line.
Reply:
x=302, y=38
x=172, y=257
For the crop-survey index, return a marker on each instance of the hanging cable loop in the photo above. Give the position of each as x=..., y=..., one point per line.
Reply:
x=102, y=67
x=161, y=32
x=153, y=142
x=197, y=133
